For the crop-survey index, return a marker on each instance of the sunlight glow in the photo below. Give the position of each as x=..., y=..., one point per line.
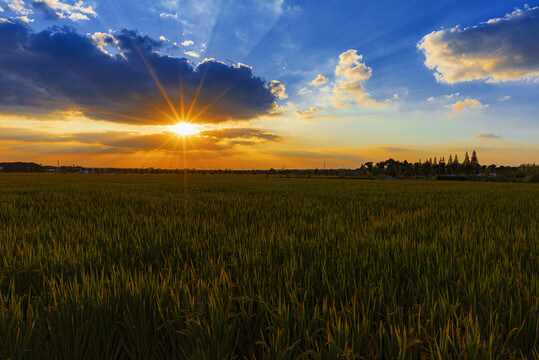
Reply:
x=184, y=129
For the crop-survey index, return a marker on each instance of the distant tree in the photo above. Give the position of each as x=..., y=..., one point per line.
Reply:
x=455, y=166
x=466, y=159
x=474, y=158
x=426, y=168
x=442, y=167
x=392, y=168
x=475, y=163
x=450, y=160
x=466, y=164
x=417, y=168
x=376, y=171
x=407, y=168
x=368, y=165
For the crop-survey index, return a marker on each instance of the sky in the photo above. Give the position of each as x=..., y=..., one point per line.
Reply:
x=238, y=84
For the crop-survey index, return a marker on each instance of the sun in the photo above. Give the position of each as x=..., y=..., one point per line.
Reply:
x=185, y=129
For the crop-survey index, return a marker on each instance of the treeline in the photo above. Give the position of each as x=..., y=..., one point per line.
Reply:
x=450, y=169
x=430, y=167
x=439, y=168
x=21, y=167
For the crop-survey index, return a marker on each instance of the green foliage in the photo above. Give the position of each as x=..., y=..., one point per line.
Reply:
x=228, y=266
x=532, y=177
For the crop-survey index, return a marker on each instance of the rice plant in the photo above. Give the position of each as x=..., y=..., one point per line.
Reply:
x=245, y=267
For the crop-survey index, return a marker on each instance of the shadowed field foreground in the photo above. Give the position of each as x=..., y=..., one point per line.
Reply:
x=220, y=267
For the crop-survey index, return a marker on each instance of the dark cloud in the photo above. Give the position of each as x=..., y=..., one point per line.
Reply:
x=67, y=148
x=126, y=142
x=147, y=142
x=214, y=140
x=58, y=68
x=28, y=135
x=234, y=133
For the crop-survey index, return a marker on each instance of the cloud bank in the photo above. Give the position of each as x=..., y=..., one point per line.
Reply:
x=58, y=69
x=128, y=142
x=498, y=50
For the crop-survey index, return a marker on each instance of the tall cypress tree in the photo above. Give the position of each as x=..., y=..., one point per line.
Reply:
x=466, y=159
x=475, y=163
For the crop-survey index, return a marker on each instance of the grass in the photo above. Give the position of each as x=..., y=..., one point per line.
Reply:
x=221, y=267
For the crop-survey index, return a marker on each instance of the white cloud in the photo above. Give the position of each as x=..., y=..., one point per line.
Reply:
x=103, y=39
x=306, y=112
x=281, y=110
x=77, y=17
x=351, y=69
x=320, y=79
x=76, y=12
x=187, y=43
x=212, y=59
x=1, y=9
x=351, y=74
x=468, y=103
x=447, y=97
x=25, y=19
x=169, y=15
x=239, y=65
x=501, y=49
x=18, y=7
x=487, y=136
x=505, y=98
x=162, y=38
x=304, y=91
x=461, y=105
x=277, y=89
x=192, y=53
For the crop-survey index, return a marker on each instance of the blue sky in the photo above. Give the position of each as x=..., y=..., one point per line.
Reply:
x=406, y=80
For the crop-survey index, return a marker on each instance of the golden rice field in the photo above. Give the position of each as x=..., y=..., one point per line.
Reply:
x=245, y=267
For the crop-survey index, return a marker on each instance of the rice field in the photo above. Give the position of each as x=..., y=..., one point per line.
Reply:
x=256, y=267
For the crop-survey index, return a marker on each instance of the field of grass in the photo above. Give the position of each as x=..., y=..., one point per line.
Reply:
x=239, y=266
